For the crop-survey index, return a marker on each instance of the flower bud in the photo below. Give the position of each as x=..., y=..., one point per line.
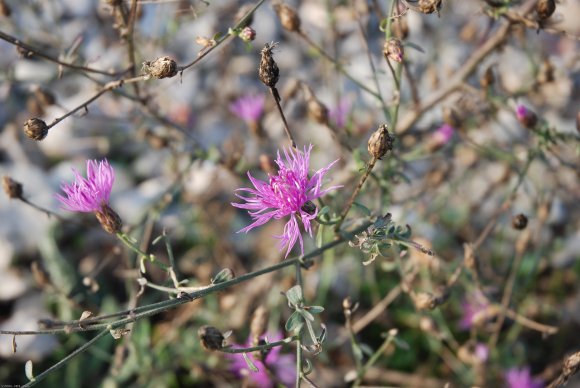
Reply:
x=309, y=207
x=211, y=338
x=526, y=117
x=380, y=142
x=424, y=301
x=248, y=34
x=259, y=324
x=520, y=221
x=268, y=70
x=426, y=6
x=109, y=219
x=393, y=50
x=545, y=8
x=318, y=111
x=12, y=188
x=35, y=129
x=288, y=17
x=163, y=67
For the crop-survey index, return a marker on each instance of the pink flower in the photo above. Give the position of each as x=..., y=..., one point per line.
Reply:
x=443, y=134
x=90, y=194
x=289, y=193
x=474, y=310
x=521, y=378
x=339, y=113
x=526, y=117
x=481, y=352
x=248, y=108
x=282, y=367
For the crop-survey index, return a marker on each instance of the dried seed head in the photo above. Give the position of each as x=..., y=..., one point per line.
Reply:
x=44, y=97
x=545, y=8
x=393, y=50
x=487, y=79
x=268, y=70
x=380, y=142
x=109, y=219
x=12, y=188
x=424, y=301
x=259, y=323
x=520, y=221
x=35, y=129
x=248, y=34
x=163, y=67
x=318, y=111
x=5, y=9
x=211, y=338
x=288, y=17
x=425, y=6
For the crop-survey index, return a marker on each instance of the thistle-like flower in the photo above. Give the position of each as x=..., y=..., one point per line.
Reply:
x=272, y=369
x=248, y=108
x=289, y=193
x=91, y=194
x=521, y=378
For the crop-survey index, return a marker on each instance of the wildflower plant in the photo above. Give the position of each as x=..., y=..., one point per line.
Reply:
x=289, y=193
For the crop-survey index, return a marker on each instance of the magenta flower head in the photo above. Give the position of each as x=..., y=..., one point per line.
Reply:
x=339, y=113
x=474, y=311
x=274, y=369
x=521, y=378
x=289, y=193
x=91, y=194
x=248, y=108
x=444, y=133
x=526, y=117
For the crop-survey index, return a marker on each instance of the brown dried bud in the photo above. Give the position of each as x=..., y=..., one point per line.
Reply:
x=571, y=366
x=259, y=323
x=424, y=301
x=109, y=219
x=380, y=142
x=393, y=50
x=545, y=8
x=12, y=188
x=288, y=17
x=578, y=122
x=318, y=111
x=211, y=338
x=44, y=97
x=268, y=70
x=163, y=67
x=520, y=221
x=248, y=34
x=5, y=9
x=424, y=6
x=35, y=129
x=487, y=79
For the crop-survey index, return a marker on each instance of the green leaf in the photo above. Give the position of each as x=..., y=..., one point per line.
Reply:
x=365, y=210
x=315, y=309
x=294, y=296
x=251, y=365
x=294, y=323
